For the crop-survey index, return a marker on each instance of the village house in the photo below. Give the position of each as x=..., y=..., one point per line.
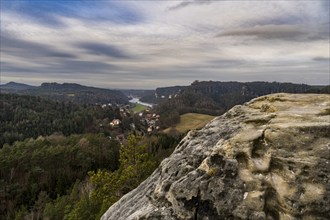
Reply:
x=150, y=129
x=115, y=123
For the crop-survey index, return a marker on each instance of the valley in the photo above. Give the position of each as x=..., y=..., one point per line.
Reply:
x=164, y=110
x=105, y=146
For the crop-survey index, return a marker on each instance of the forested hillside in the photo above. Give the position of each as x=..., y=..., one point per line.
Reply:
x=74, y=177
x=68, y=92
x=28, y=116
x=65, y=161
x=35, y=171
x=161, y=93
x=214, y=98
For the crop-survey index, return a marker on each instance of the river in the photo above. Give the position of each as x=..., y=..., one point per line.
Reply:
x=137, y=100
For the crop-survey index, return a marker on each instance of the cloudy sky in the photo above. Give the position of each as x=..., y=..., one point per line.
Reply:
x=149, y=44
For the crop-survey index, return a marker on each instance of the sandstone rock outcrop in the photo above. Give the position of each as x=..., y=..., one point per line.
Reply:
x=267, y=159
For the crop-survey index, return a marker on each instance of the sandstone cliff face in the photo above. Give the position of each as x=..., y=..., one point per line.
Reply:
x=267, y=159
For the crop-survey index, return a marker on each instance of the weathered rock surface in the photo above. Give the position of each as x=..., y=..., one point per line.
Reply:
x=267, y=159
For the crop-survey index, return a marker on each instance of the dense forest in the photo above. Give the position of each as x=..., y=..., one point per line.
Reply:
x=74, y=177
x=218, y=88
x=215, y=98
x=28, y=116
x=49, y=166
x=58, y=159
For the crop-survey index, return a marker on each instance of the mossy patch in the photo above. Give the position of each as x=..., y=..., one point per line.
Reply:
x=212, y=171
x=267, y=108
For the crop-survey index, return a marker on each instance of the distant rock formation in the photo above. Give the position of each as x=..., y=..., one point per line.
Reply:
x=267, y=159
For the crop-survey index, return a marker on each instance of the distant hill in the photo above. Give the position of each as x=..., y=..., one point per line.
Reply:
x=215, y=88
x=214, y=97
x=68, y=92
x=319, y=90
x=15, y=86
x=162, y=93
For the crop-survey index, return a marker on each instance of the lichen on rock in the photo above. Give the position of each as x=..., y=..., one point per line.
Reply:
x=266, y=159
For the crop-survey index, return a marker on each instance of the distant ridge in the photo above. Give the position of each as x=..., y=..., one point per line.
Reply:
x=67, y=85
x=215, y=98
x=215, y=89
x=68, y=92
x=16, y=86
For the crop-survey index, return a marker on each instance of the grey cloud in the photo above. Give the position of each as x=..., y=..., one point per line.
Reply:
x=115, y=77
x=326, y=7
x=326, y=59
x=59, y=54
x=225, y=63
x=81, y=66
x=71, y=67
x=104, y=49
x=22, y=48
x=8, y=67
x=283, y=32
x=65, y=62
x=188, y=3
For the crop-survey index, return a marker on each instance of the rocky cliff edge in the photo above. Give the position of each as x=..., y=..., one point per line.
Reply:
x=267, y=159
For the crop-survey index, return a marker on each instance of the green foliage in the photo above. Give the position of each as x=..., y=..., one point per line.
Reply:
x=108, y=187
x=139, y=108
x=21, y=213
x=105, y=187
x=52, y=165
x=135, y=166
x=63, y=205
x=89, y=200
x=83, y=209
x=56, y=210
x=39, y=205
x=169, y=115
x=27, y=116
